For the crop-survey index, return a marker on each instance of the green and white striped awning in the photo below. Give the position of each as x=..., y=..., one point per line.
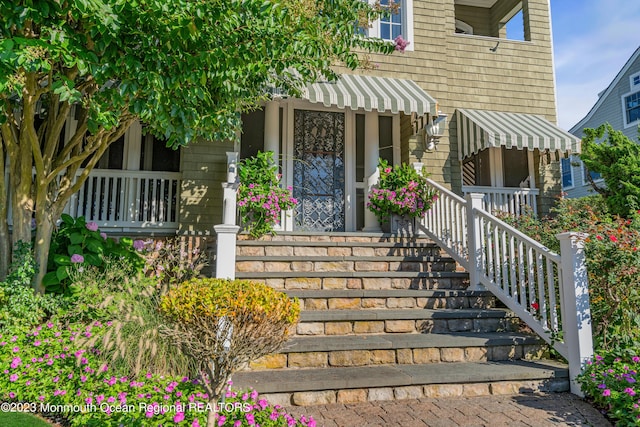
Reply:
x=480, y=129
x=372, y=93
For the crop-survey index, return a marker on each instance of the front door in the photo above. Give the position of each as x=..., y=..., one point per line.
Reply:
x=319, y=170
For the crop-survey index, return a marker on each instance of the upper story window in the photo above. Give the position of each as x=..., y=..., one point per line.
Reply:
x=397, y=23
x=567, y=173
x=504, y=19
x=594, y=175
x=634, y=80
x=631, y=108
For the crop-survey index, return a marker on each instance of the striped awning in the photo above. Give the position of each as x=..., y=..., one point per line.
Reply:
x=372, y=93
x=480, y=129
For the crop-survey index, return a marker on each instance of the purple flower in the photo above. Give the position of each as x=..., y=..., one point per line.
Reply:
x=13, y=378
x=92, y=226
x=630, y=391
x=77, y=258
x=138, y=245
x=103, y=235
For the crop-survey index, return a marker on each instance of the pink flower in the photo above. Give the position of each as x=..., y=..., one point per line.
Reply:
x=77, y=258
x=138, y=245
x=178, y=417
x=599, y=237
x=606, y=393
x=92, y=226
x=103, y=235
x=13, y=378
x=401, y=44
x=613, y=238
x=630, y=391
x=535, y=306
x=221, y=420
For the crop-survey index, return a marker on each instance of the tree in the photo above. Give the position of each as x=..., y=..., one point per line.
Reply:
x=617, y=159
x=185, y=68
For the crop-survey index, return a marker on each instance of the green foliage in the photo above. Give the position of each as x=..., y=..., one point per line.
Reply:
x=401, y=190
x=171, y=262
x=617, y=159
x=260, y=197
x=22, y=419
x=77, y=244
x=613, y=264
x=612, y=383
x=20, y=306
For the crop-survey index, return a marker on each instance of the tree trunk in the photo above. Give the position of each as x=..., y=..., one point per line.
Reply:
x=5, y=243
x=44, y=219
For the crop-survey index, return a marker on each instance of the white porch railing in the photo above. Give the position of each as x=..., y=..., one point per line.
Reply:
x=513, y=200
x=128, y=199
x=546, y=290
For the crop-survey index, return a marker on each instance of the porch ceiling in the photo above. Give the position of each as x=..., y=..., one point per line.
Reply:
x=480, y=129
x=372, y=93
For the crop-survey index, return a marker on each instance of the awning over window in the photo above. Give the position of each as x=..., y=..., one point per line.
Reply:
x=372, y=93
x=480, y=129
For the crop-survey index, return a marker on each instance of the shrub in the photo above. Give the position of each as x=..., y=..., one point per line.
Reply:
x=224, y=324
x=612, y=384
x=617, y=159
x=401, y=191
x=171, y=262
x=20, y=306
x=613, y=263
x=79, y=243
x=260, y=197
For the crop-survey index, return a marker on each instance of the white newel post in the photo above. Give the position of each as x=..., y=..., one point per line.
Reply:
x=474, y=239
x=576, y=319
x=227, y=231
x=371, y=173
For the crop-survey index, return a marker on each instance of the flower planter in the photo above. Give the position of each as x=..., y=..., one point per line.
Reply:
x=400, y=224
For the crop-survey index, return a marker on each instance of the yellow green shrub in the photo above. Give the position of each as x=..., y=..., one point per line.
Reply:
x=224, y=324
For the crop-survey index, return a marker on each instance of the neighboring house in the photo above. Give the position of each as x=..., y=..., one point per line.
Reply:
x=476, y=107
x=618, y=105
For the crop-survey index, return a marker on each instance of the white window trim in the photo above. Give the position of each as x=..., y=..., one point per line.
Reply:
x=407, y=24
x=624, y=109
x=573, y=178
x=585, y=181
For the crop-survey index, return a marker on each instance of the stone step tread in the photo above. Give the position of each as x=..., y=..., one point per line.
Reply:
x=353, y=274
x=326, y=343
x=311, y=379
x=404, y=314
x=399, y=258
x=385, y=293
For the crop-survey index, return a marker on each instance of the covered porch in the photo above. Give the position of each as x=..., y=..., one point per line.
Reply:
x=501, y=155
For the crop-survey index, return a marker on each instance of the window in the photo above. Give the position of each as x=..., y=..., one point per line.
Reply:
x=631, y=108
x=567, y=173
x=397, y=23
x=594, y=175
x=635, y=80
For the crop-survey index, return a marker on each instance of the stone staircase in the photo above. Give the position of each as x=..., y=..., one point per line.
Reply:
x=385, y=317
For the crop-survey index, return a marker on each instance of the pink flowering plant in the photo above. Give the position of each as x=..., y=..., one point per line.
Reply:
x=261, y=199
x=78, y=243
x=612, y=383
x=401, y=190
x=51, y=366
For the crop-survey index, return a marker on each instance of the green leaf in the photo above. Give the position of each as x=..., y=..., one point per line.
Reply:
x=76, y=238
x=67, y=219
x=93, y=259
x=50, y=279
x=96, y=246
x=60, y=259
x=75, y=249
x=61, y=273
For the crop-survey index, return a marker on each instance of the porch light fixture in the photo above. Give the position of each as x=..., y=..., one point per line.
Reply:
x=434, y=131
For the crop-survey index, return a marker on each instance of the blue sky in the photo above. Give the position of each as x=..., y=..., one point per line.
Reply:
x=593, y=39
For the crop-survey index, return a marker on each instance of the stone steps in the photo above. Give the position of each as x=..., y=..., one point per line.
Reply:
x=346, y=322
x=403, y=381
x=386, y=318
x=385, y=349
x=338, y=299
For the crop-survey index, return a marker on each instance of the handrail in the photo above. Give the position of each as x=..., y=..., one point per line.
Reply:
x=512, y=200
x=548, y=291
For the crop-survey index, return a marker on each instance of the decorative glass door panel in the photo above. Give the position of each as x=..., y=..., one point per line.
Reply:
x=318, y=170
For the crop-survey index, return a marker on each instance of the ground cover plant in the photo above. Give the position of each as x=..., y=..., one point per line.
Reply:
x=106, y=354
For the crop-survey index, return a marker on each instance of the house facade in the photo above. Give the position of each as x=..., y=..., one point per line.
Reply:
x=474, y=105
x=618, y=105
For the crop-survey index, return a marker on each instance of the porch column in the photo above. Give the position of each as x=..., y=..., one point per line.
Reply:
x=272, y=129
x=371, y=173
x=132, y=151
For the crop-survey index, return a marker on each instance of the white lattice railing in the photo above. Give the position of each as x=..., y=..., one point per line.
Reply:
x=512, y=200
x=546, y=290
x=128, y=199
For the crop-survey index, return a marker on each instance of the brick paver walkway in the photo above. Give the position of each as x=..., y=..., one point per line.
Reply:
x=535, y=410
